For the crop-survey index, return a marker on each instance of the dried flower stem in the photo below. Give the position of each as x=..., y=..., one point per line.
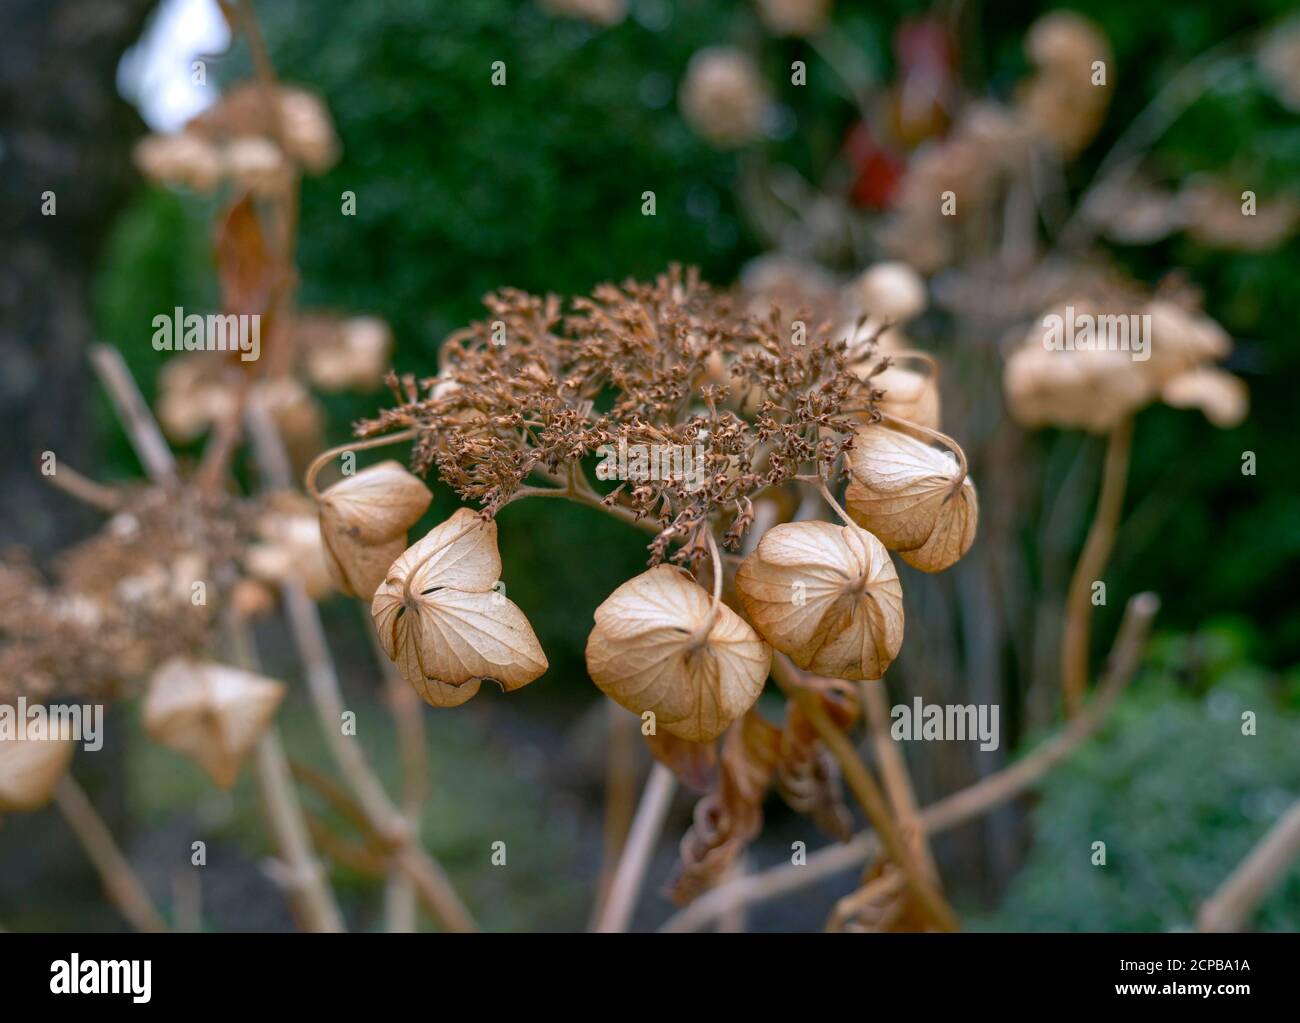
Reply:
x=320, y=461
x=313, y=899
x=952, y=810
x=121, y=884
x=646, y=826
x=85, y=490
x=1230, y=908
x=308, y=635
x=893, y=770
x=942, y=438
x=1091, y=563
x=134, y=415
x=620, y=795
x=866, y=791
x=408, y=721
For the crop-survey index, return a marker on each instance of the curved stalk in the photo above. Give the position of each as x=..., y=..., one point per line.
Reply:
x=868, y=795
x=1091, y=564
x=318, y=463
x=121, y=884
x=962, y=468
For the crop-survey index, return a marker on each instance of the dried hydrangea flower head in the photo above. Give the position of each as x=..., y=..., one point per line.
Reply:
x=604, y=13
x=212, y=713
x=794, y=17
x=917, y=499
x=31, y=769
x=827, y=595
x=289, y=546
x=1065, y=102
x=350, y=354
x=124, y=599
x=723, y=98
x=1096, y=388
x=363, y=523
x=443, y=621
x=497, y=414
x=661, y=646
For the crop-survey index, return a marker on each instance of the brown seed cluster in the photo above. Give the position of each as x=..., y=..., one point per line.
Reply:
x=533, y=391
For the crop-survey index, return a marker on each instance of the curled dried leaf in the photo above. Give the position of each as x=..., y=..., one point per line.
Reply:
x=443, y=621
x=912, y=496
x=659, y=645
x=826, y=595
x=212, y=713
x=807, y=775
x=731, y=815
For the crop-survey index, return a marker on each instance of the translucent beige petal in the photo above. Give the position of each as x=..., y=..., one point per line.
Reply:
x=644, y=653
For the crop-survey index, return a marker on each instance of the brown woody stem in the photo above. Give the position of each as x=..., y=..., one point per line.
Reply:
x=949, y=812
x=318, y=463
x=1092, y=562
x=121, y=884
x=617, y=911
x=867, y=793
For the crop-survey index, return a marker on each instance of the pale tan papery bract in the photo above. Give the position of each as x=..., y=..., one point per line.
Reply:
x=649, y=652
x=903, y=490
x=212, y=713
x=1221, y=396
x=827, y=595
x=30, y=770
x=444, y=624
x=363, y=523
x=908, y=394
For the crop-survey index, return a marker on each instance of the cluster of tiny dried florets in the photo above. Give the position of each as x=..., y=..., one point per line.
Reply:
x=120, y=600
x=148, y=586
x=533, y=391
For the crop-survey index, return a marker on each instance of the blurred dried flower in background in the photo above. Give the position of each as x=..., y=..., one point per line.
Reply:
x=599, y=12
x=1279, y=60
x=723, y=97
x=31, y=768
x=212, y=713
x=794, y=17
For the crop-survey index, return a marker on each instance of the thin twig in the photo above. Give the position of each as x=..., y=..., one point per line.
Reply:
x=616, y=914
x=953, y=810
x=302, y=876
x=313, y=899
x=308, y=633
x=1090, y=566
x=1230, y=908
x=620, y=795
x=893, y=770
x=138, y=422
x=407, y=711
x=866, y=791
x=121, y=884
x=85, y=490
